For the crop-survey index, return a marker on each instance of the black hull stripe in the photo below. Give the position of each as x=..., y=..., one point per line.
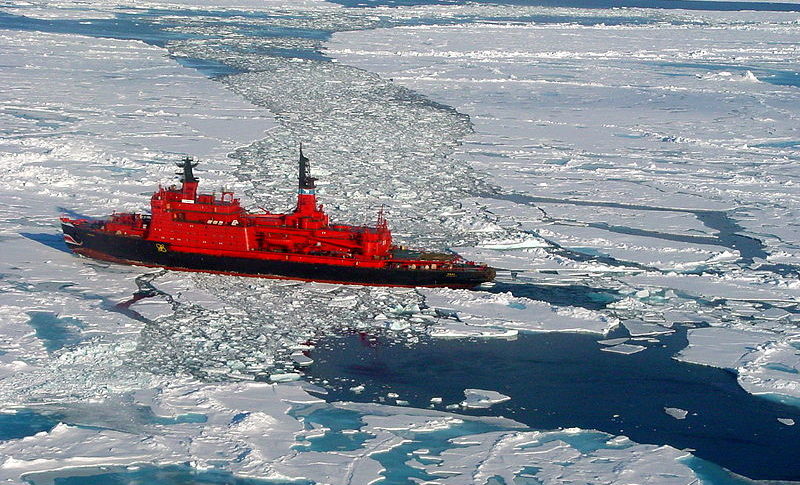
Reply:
x=127, y=250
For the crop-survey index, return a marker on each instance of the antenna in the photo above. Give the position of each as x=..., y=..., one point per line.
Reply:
x=382, y=222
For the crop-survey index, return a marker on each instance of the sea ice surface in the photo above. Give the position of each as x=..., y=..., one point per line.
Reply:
x=624, y=348
x=481, y=398
x=645, y=155
x=506, y=311
x=167, y=379
x=676, y=413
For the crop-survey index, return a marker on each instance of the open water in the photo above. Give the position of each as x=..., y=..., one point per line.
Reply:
x=564, y=380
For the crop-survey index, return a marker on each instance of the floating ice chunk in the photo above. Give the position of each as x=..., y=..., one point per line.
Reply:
x=412, y=308
x=482, y=399
x=507, y=245
x=728, y=287
x=357, y=389
x=348, y=301
x=398, y=325
x=677, y=316
x=638, y=328
x=619, y=442
x=153, y=308
x=747, y=76
x=613, y=341
x=676, y=413
x=624, y=349
x=284, y=377
x=786, y=421
x=461, y=330
x=302, y=359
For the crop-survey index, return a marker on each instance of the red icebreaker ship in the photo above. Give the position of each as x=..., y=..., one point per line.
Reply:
x=189, y=231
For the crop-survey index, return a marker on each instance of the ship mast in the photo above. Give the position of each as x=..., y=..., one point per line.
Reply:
x=306, y=181
x=306, y=191
x=188, y=179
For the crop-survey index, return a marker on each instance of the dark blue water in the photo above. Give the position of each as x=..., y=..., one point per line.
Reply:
x=25, y=423
x=147, y=474
x=55, y=332
x=565, y=380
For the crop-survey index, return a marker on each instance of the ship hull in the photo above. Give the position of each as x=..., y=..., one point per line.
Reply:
x=101, y=245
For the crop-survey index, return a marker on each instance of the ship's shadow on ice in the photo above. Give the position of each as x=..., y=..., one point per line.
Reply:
x=55, y=241
x=71, y=213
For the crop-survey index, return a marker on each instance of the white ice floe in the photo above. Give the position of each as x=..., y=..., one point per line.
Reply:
x=248, y=424
x=638, y=328
x=773, y=369
x=627, y=144
x=482, y=399
x=765, y=363
x=676, y=413
x=505, y=455
x=734, y=286
x=515, y=313
x=465, y=330
x=624, y=348
x=618, y=114
x=722, y=347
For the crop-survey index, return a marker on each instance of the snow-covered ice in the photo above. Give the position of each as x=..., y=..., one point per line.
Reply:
x=622, y=143
x=481, y=398
x=619, y=142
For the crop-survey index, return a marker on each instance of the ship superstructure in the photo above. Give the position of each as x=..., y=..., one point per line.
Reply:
x=188, y=230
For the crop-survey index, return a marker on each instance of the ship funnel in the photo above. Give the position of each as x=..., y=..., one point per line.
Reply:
x=306, y=181
x=187, y=175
